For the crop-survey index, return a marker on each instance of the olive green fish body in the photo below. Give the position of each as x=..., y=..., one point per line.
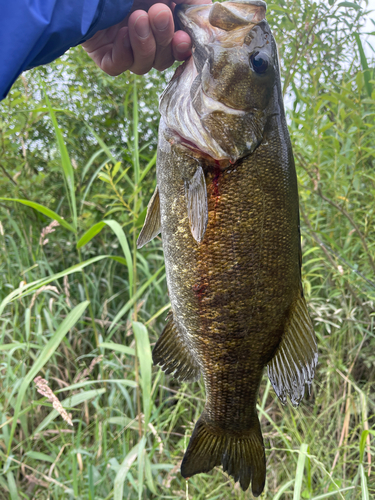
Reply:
x=231, y=294
x=227, y=207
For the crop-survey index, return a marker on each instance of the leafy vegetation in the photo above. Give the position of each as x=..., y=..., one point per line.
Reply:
x=81, y=306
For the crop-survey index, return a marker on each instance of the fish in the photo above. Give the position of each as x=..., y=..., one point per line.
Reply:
x=226, y=205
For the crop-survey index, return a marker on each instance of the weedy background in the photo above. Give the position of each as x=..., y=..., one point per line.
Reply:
x=81, y=306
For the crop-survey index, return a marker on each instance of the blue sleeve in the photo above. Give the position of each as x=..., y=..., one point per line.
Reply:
x=34, y=32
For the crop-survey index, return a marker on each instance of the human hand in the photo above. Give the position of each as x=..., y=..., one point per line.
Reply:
x=143, y=40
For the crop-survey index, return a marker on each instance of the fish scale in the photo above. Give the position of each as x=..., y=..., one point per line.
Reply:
x=230, y=229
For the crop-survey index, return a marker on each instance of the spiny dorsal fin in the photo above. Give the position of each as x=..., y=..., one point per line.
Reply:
x=196, y=200
x=151, y=227
x=172, y=354
x=295, y=361
x=242, y=456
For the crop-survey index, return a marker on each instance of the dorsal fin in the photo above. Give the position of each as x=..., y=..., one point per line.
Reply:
x=294, y=363
x=151, y=227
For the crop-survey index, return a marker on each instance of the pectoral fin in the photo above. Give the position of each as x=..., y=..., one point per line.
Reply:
x=295, y=361
x=151, y=227
x=196, y=200
x=173, y=356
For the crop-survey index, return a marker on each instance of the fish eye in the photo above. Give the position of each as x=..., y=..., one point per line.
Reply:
x=259, y=62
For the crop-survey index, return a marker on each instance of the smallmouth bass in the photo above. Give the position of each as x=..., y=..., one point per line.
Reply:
x=226, y=204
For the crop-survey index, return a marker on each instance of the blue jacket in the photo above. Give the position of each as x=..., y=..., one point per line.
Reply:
x=34, y=32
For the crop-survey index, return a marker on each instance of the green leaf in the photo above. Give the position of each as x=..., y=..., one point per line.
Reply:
x=119, y=232
x=299, y=471
x=364, y=486
x=65, y=163
x=351, y=5
x=79, y=385
x=362, y=443
x=145, y=362
x=366, y=72
x=14, y=345
x=282, y=489
x=35, y=285
x=36, y=455
x=148, y=474
x=42, y=359
x=117, y=347
x=115, y=169
x=333, y=493
x=148, y=167
x=123, y=471
x=44, y=210
x=12, y=486
x=89, y=235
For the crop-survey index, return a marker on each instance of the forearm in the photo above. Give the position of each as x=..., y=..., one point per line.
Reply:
x=36, y=32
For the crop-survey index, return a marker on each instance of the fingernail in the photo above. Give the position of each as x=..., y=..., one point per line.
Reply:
x=142, y=26
x=183, y=47
x=161, y=21
x=126, y=39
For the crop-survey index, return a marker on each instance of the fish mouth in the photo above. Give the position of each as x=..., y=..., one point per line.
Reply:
x=205, y=23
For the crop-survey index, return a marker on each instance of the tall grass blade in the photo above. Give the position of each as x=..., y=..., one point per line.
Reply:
x=283, y=488
x=43, y=210
x=141, y=467
x=135, y=132
x=117, y=347
x=148, y=475
x=65, y=163
x=119, y=232
x=148, y=167
x=333, y=493
x=145, y=362
x=42, y=359
x=299, y=471
x=366, y=71
x=12, y=486
x=364, y=486
x=35, y=285
x=90, y=234
x=123, y=471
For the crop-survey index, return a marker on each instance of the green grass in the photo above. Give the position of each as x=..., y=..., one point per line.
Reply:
x=84, y=309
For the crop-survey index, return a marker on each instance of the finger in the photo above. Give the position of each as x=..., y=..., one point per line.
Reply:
x=120, y=58
x=162, y=26
x=181, y=46
x=142, y=41
x=193, y=2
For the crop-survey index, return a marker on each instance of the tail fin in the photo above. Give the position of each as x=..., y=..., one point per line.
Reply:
x=242, y=457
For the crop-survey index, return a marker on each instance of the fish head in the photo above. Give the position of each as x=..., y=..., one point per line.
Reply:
x=230, y=83
x=233, y=51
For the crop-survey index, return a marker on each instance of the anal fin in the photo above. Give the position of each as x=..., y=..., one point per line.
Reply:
x=294, y=363
x=172, y=354
x=152, y=225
